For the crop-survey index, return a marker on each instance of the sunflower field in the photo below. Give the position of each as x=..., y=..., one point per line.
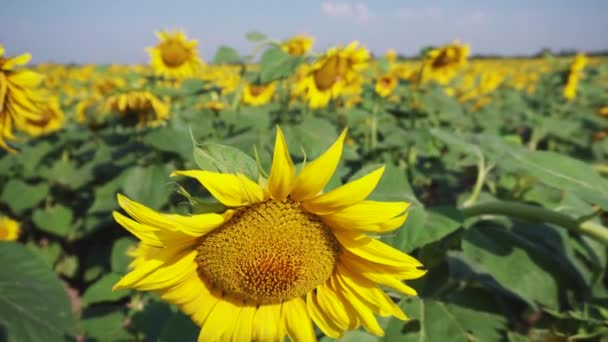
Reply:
x=294, y=194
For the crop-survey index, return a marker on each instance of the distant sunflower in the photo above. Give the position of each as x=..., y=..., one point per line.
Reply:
x=175, y=56
x=575, y=72
x=20, y=98
x=50, y=119
x=298, y=45
x=9, y=229
x=258, y=94
x=385, y=84
x=282, y=256
x=442, y=64
x=327, y=77
x=143, y=105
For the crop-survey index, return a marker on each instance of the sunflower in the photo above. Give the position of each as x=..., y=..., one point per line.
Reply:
x=283, y=255
x=9, y=229
x=20, y=97
x=386, y=84
x=298, y=45
x=258, y=94
x=50, y=120
x=145, y=106
x=175, y=56
x=575, y=72
x=442, y=64
x=327, y=77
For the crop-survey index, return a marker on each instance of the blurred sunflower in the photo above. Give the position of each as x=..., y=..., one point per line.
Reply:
x=20, y=97
x=143, y=105
x=386, y=84
x=9, y=229
x=51, y=119
x=575, y=72
x=258, y=94
x=327, y=77
x=175, y=56
x=298, y=45
x=442, y=64
x=283, y=255
x=214, y=105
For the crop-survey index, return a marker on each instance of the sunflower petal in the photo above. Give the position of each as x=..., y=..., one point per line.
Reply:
x=344, y=196
x=216, y=324
x=267, y=323
x=231, y=190
x=141, y=231
x=296, y=320
x=321, y=318
x=244, y=327
x=369, y=216
x=283, y=172
x=316, y=174
x=341, y=316
x=374, y=250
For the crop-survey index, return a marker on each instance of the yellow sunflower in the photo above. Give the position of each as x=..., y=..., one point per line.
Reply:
x=442, y=64
x=386, y=84
x=50, y=120
x=145, y=106
x=327, y=77
x=298, y=45
x=575, y=72
x=175, y=56
x=258, y=94
x=9, y=229
x=20, y=97
x=282, y=256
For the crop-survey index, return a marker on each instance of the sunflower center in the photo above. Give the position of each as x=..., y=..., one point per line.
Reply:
x=256, y=90
x=268, y=252
x=330, y=72
x=174, y=54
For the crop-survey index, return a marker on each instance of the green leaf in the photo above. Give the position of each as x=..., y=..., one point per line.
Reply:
x=436, y=321
x=20, y=196
x=101, y=290
x=56, y=220
x=277, y=64
x=435, y=224
x=255, y=36
x=33, y=303
x=149, y=185
x=179, y=327
x=226, y=55
x=105, y=323
x=152, y=320
x=225, y=159
x=119, y=259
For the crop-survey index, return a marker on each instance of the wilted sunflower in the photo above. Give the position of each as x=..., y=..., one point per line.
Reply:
x=298, y=45
x=327, y=77
x=283, y=255
x=442, y=64
x=258, y=94
x=20, y=97
x=143, y=105
x=385, y=84
x=9, y=229
x=50, y=120
x=174, y=56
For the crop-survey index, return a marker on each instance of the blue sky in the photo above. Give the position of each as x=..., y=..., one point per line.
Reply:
x=118, y=31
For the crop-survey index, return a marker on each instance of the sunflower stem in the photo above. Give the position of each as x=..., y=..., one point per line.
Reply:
x=374, y=127
x=532, y=213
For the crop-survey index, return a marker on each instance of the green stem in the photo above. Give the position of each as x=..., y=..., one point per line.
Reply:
x=482, y=172
x=374, y=127
x=533, y=213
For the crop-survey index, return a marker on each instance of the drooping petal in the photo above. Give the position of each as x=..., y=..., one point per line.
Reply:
x=296, y=320
x=282, y=173
x=163, y=259
x=321, y=318
x=316, y=174
x=369, y=216
x=231, y=190
x=344, y=196
x=142, y=232
x=218, y=321
x=267, y=323
x=334, y=306
x=244, y=327
x=194, y=297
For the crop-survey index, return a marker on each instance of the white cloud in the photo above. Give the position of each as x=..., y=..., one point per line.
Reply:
x=359, y=11
x=425, y=13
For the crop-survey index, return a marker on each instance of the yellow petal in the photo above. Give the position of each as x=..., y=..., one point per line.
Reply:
x=316, y=174
x=321, y=318
x=374, y=250
x=142, y=232
x=342, y=317
x=243, y=332
x=283, y=172
x=296, y=321
x=267, y=323
x=168, y=275
x=17, y=60
x=231, y=190
x=159, y=259
x=219, y=321
x=369, y=216
x=344, y=196
x=194, y=297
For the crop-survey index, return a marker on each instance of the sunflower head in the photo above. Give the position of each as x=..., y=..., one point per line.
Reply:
x=142, y=105
x=9, y=229
x=258, y=94
x=441, y=64
x=282, y=255
x=175, y=56
x=298, y=45
x=50, y=119
x=385, y=84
